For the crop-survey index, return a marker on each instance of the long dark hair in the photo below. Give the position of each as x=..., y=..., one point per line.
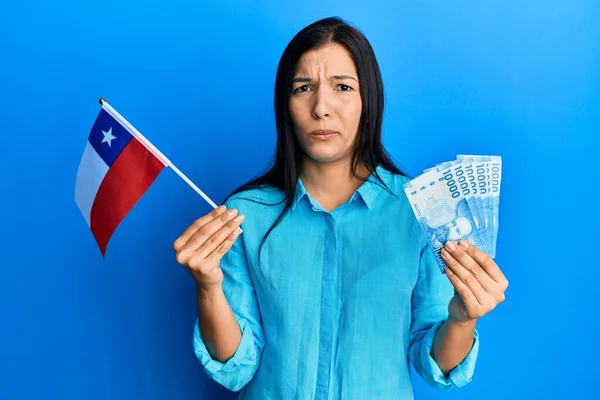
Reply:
x=368, y=150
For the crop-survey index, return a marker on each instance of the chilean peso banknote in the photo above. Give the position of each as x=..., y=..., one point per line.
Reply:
x=458, y=200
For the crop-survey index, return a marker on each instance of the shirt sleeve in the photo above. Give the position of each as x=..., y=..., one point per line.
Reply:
x=430, y=299
x=236, y=372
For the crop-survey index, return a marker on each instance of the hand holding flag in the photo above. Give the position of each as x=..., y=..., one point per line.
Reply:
x=202, y=245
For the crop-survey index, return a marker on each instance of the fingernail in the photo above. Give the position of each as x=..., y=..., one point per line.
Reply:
x=238, y=218
x=464, y=244
x=444, y=253
x=450, y=246
x=221, y=208
x=232, y=212
x=238, y=231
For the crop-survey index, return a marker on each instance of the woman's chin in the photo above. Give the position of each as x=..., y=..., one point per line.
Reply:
x=324, y=157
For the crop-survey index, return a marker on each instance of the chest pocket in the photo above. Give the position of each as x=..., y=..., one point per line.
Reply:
x=289, y=260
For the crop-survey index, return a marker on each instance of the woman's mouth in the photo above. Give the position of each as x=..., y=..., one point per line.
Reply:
x=323, y=134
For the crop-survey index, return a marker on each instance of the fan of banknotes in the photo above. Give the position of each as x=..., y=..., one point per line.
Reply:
x=458, y=200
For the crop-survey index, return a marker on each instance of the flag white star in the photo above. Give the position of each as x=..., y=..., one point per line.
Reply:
x=108, y=137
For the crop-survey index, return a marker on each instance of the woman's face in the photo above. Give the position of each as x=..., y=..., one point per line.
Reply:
x=325, y=103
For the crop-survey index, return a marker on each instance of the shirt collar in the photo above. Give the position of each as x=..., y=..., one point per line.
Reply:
x=368, y=191
x=300, y=193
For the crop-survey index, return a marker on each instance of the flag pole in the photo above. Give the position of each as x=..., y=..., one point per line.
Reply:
x=151, y=148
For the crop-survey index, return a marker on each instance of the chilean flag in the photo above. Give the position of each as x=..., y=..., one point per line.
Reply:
x=116, y=169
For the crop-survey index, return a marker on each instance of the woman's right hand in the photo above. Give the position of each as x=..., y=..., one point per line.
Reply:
x=200, y=248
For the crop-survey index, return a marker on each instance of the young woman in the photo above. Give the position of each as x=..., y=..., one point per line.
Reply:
x=332, y=290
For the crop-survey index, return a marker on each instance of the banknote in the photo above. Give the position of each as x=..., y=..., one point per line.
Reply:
x=466, y=180
x=488, y=170
x=456, y=200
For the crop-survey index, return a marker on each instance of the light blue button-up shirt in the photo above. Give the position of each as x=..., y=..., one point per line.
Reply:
x=341, y=304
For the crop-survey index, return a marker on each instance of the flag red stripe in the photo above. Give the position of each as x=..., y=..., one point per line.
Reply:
x=125, y=183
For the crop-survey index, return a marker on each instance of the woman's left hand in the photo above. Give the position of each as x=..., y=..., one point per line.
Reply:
x=479, y=284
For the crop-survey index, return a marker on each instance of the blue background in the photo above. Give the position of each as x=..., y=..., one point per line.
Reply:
x=513, y=78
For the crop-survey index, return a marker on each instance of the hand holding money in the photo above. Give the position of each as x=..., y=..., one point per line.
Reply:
x=478, y=282
x=458, y=200
x=457, y=206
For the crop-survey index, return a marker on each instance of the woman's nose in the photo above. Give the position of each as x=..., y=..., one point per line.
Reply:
x=322, y=106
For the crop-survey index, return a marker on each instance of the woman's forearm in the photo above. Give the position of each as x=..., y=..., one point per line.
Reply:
x=452, y=344
x=218, y=327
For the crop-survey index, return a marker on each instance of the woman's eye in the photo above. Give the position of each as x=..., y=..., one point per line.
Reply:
x=301, y=89
x=344, y=88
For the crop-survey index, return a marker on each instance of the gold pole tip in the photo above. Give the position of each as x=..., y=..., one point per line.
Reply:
x=101, y=101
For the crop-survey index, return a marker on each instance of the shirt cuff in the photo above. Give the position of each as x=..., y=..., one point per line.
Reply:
x=245, y=354
x=462, y=374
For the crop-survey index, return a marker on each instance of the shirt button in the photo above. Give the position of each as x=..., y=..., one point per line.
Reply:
x=330, y=222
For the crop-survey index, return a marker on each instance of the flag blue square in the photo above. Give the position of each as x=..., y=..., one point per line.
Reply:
x=108, y=137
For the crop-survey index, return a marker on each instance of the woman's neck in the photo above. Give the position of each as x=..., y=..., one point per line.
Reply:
x=331, y=184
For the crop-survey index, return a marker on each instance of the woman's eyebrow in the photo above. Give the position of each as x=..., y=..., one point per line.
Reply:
x=301, y=79
x=334, y=77
x=342, y=77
